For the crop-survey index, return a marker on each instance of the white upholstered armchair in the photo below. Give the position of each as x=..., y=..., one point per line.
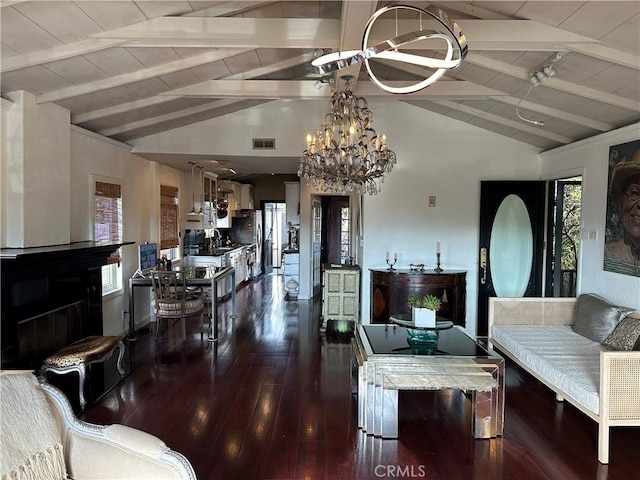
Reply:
x=40, y=437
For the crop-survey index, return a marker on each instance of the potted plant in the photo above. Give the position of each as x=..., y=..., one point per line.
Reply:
x=423, y=309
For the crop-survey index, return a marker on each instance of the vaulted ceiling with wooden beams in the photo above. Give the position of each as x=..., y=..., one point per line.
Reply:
x=133, y=68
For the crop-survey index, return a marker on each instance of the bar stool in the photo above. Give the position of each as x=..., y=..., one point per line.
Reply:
x=78, y=357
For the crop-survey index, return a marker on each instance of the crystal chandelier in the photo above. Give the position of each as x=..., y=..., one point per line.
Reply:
x=346, y=155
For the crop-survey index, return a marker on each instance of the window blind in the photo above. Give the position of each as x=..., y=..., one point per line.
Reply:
x=108, y=216
x=168, y=217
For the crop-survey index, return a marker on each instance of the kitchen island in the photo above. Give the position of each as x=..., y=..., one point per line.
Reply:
x=232, y=256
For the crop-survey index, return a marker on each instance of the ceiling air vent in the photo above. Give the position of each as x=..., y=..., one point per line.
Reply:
x=264, y=143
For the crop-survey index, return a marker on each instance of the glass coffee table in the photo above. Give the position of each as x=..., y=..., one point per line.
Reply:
x=387, y=363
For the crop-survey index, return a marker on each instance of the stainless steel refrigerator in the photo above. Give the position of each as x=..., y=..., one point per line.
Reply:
x=246, y=228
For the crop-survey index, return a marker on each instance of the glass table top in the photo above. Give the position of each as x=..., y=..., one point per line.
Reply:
x=392, y=339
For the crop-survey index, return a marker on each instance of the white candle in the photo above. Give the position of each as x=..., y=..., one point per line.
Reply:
x=395, y=256
x=438, y=247
x=386, y=256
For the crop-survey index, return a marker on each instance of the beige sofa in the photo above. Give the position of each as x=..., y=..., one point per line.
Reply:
x=41, y=438
x=546, y=337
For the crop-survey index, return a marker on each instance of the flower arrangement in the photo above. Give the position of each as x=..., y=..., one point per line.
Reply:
x=424, y=301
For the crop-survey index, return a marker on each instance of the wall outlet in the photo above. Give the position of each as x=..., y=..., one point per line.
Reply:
x=432, y=200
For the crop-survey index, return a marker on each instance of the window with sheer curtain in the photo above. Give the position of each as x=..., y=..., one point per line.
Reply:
x=168, y=217
x=108, y=228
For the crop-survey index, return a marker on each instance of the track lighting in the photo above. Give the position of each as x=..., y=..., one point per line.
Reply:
x=547, y=70
x=536, y=77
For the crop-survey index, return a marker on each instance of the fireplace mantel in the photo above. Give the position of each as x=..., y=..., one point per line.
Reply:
x=51, y=296
x=70, y=256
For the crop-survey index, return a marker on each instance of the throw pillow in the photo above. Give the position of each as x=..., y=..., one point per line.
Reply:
x=595, y=317
x=626, y=335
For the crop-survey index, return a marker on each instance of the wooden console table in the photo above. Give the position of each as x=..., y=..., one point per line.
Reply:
x=390, y=289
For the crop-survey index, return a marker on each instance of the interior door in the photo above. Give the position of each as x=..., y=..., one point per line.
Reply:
x=267, y=254
x=511, y=256
x=316, y=246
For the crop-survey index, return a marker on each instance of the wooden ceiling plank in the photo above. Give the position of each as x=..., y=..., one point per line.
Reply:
x=500, y=35
x=607, y=54
x=158, y=99
x=230, y=31
x=298, y=89
x=119, y=80
x=227, y=8
x=17, y=62
x=120, y=129
x=329, y=33
x=555, y=83
x=118, y=109
x=559, y=114
x=251, y=89
x=503, y=121
x=354, y=17
x=473, y=10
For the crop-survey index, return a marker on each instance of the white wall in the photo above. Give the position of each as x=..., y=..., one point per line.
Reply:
x=35, y=173
x=93, y=155
x=591, y=157
x=436, y=156
x=51, y=165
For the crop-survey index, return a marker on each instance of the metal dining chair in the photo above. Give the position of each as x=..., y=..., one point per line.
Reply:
x=173, y=300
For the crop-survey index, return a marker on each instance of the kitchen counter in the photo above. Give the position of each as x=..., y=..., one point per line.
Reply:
x=219, y=252
x=234, y=256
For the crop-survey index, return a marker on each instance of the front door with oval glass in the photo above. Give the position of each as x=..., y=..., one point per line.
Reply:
x=511, y=242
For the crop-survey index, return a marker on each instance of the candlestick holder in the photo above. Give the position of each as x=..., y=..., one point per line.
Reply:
x=391, y=263
x=437, y=269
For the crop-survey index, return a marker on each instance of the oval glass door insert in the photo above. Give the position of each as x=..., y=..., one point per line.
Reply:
x=511, y=248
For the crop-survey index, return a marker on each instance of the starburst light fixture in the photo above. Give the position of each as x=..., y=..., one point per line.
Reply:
x=346, y=155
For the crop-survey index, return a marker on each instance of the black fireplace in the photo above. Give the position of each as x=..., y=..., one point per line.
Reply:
x=51, y=296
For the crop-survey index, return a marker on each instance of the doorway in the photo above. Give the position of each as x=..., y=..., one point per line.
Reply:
x=274, y=214
x=511, y=255
x=330, y=235
x=336, y=234
x=513, y=259
x=563, y=237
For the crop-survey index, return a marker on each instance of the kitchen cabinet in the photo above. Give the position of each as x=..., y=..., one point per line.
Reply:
x=210, y=192
x=291, y=268
x=246, y=196
x=391, y=288
x=238, y=260
x=292, y=200
x=340, y=293
x=202, y=200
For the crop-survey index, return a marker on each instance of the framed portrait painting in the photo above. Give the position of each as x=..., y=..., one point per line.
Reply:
x=622, y=228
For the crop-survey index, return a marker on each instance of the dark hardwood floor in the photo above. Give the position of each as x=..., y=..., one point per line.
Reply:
x=272, y=400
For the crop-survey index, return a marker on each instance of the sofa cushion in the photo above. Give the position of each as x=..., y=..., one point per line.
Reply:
x=566, y=360
x=626, y=336
x=595, y=318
